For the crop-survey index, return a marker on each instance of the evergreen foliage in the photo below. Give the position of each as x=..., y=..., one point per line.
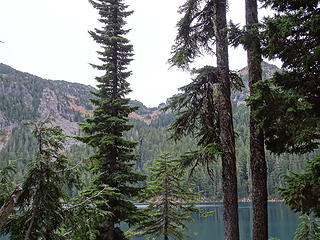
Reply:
x=22, y=145
x=309, y=229
x=204, y=23
x=302, y=193
x=197, y=110
x=85, y=215
x=292, y=95
x=40, y=208
x=6, y=183
x=168, y=209
x=112, y=164
x=195, y=32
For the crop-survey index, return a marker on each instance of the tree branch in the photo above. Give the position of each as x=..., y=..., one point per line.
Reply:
x=7, y=208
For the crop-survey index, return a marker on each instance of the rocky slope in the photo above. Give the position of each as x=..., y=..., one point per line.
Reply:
x=25, y=97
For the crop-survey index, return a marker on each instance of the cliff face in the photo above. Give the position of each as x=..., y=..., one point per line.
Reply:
x=25, y=97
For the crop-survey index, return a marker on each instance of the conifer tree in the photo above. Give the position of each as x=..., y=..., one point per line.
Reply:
x=203, y=24
x=197, y=110
x=112, y=164
x=293, y=95
x=40, y=207
x=168, y=210
x=258, y=163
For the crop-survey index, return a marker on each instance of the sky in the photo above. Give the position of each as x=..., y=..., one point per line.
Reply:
x=50, y=39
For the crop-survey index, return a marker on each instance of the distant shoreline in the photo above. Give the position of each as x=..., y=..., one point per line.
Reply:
x=218, y=201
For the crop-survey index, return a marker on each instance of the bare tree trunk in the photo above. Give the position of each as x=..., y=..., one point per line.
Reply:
x=257, y=154
x=229, y=172
x=7, y=208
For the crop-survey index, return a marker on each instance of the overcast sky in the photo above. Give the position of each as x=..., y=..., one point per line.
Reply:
x=49, y=38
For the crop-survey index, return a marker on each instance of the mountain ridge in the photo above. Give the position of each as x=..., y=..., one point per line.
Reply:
x=27, y=97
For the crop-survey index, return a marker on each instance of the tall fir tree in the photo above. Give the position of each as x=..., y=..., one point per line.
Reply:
x=203, y=24
x=258, y=163
x=229, y=170
x=112, y=164
x=293, y=95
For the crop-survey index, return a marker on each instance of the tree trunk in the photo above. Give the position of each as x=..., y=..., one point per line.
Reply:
x=229, y=172
x=257, y=155
x=108, y=231
x=7, y=208
x=166, y=205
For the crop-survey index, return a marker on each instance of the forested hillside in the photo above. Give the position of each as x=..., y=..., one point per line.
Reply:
x=25, y=97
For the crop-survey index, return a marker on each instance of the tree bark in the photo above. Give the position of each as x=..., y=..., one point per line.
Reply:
x=108, y=231
x=7, y=208
x=257, y=154
x=229, y=172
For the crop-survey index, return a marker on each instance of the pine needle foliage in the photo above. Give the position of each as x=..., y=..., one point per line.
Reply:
x=303, y=191
x=292, y=35
x=84, y=215
x=168, y=210
x=112, y=164
x=195, y=32
x=41, y=206
x=203, y=24
x=6, y=183
x=197, y=110
x=293, y=95
x=309, y=228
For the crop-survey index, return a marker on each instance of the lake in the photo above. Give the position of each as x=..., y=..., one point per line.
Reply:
x=282, y=222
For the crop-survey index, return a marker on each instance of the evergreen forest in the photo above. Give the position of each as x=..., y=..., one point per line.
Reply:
x=75, y=159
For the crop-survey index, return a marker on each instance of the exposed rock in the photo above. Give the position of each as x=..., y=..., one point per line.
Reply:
x=49, y=105
x=27, y=97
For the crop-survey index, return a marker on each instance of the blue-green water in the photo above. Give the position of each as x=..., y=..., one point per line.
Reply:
x=282, y=222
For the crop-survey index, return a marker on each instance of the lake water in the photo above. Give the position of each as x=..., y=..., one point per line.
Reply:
x=282, y=222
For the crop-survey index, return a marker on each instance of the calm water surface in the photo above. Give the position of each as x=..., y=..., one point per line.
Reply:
x=282, y=222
